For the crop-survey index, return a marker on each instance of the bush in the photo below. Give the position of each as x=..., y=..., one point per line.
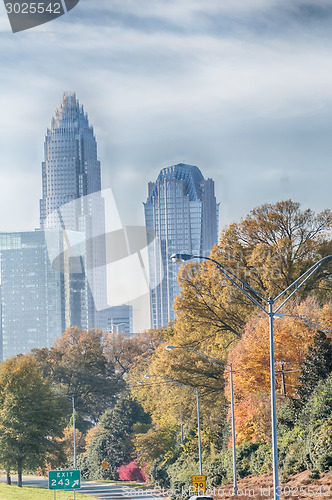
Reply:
x=287, y=415
x=180, y=475
x=320, y=446
x=309, y=444
x=83, y=465
x=261, y=459
x=244, y=454
x=305, y=442
x=296, y=459
x=216, y=472
x=319, y=405
x=132, y=472
x=158, y=474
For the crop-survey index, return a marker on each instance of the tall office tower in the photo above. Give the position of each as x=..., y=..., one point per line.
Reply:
x=71, y=182
x=30, y=293
x=182, y=210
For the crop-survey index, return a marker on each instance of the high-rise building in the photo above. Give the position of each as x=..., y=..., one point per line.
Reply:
x=70, y=169
x=71, y=183
x=31, y=293
x=182, y=210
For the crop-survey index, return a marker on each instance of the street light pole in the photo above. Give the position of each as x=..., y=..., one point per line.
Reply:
x=229, y=367
x=74, y=431
x=233, y=430
x=72, y=399
x=254, y=296
x=189, y=389
x=199, y=435
x=273, y=406
x=181, y=423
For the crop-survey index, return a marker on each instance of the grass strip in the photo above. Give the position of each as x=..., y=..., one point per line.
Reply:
x=33, y=493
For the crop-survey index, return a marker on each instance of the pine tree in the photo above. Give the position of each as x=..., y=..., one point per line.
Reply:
x=317, y=366
x=114, y=443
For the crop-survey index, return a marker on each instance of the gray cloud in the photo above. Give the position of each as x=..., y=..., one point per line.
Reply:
x=242, y=89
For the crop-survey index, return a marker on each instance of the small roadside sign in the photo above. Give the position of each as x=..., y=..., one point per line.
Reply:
x=104, y=464
x=64, y=479
x=199, y=484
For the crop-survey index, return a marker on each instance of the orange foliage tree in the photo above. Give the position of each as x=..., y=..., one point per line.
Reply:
x=251, y=364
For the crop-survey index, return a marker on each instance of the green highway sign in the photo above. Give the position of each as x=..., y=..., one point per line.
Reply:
x=64, y=479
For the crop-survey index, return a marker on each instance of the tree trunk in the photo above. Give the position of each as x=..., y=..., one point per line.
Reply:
x=9, y=481
x=19, y=472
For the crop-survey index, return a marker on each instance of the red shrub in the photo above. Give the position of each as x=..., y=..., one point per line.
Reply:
x=132, y=472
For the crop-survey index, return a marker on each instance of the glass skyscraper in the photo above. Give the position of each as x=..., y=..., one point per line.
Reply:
x=70, y=169
x=182, y=210
x=31, y=293
x=71, y=182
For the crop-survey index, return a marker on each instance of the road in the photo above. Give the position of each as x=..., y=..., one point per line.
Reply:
x=96, y=489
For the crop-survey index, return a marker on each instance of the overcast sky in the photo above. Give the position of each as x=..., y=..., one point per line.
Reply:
x=240, y=88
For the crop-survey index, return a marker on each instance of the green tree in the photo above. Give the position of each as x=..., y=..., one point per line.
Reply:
x=154, y=443
x=317, y=366
x=77, y=365
x=113, y=441
x=308, y=442
x=31, y=417
x=318, y=407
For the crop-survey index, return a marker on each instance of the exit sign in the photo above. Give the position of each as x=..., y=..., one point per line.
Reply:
x=64, y=479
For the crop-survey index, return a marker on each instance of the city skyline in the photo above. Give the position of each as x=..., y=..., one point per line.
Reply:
x=55, y=277
x=240, y=89
x=209, y=127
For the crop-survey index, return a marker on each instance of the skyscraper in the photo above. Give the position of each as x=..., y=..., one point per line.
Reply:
x=31, y=293
x=182, y=210
x=71, y=183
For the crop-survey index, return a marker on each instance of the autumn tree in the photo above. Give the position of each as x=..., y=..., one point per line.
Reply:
x=126, y=353
x=154, y=443
x=68, y=441
x=181, y=403
x=77, y=365
x=269, y=249
x=251, y=363
x=31, y=417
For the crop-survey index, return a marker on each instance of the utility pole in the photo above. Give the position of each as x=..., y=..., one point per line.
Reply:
x=283, y=371
x=181, y=424
x=283, y=379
